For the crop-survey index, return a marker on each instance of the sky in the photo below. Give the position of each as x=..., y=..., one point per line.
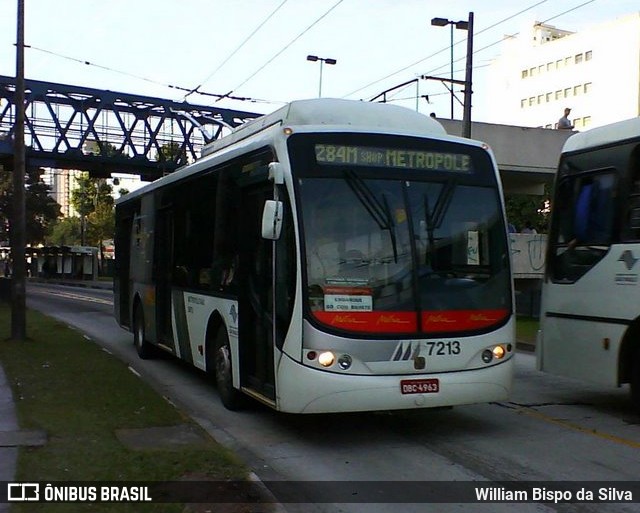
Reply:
x=257, y=49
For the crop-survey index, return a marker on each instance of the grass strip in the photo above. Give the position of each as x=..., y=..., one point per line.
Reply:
x=527, y=329
x=80, y=395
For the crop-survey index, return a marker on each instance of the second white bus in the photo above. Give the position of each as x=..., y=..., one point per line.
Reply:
x=590, y=315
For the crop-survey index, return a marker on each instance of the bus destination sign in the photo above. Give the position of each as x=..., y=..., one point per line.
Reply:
x=340, y=155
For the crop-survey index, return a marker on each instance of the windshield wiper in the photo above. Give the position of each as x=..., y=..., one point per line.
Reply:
x=378, y=210
x=434, y=219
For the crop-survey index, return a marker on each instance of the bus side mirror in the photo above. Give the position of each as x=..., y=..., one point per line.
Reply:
x=276, y=173
x=272, y=219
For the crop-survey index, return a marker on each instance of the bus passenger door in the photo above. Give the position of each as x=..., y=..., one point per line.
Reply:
x=164, y=266
x=255, y=303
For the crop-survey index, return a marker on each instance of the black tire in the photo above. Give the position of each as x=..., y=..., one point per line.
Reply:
x=635, y=381
x=231, y=398
x=143, y=347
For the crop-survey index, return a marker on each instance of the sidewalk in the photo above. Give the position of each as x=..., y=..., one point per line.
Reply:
x=8, y=426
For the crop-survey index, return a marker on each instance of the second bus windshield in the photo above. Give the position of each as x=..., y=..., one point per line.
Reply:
x=428, y=254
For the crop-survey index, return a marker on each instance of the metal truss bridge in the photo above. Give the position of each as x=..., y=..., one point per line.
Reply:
x=104, y=132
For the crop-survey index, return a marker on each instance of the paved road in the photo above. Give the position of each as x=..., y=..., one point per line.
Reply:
x=553, y=429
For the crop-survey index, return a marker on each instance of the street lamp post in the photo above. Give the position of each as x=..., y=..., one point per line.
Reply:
x=315, y=58
x=462, y=25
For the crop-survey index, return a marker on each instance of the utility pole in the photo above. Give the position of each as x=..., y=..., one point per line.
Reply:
x=18, y=222
x=466, y=117
x=468, y=26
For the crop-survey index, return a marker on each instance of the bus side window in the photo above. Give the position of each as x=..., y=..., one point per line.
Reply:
x=594, y=210
x=633, y=213
x=582, y=213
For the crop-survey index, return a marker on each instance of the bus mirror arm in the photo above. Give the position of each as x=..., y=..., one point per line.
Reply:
x=272, y=219
x=276, y=173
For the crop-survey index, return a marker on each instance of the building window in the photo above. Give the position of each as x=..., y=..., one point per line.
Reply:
x=588, y=55
x=567, y=61
x=567, y=92
x=523, y=103
x=525, y=73
x=577, y=90
x=540, y=99
x=532, y=101
x=577, y=123
x=532, y=71
x=559, y=64
x=586, y=121
x=549, y=66
x=578, y=58
x=549, y=97
x=540, y=68
x=559, y=94
x=587, y=87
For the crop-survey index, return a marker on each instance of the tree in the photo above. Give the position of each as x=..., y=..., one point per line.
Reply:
x=523, y=208
x=173, y=152
x=66, y=232
x=101, y=225
x=92, y=199
x=41, y=210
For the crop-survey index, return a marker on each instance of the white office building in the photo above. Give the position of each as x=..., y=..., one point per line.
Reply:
x=62, y=183
x=595, y=72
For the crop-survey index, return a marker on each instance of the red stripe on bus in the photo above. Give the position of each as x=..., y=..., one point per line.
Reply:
x=406, y=322
x=381, y=322
x=465, y=320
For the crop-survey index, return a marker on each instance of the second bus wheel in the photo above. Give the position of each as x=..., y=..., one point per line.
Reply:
x=230, y=397
x=143, y=347
x=635, y=380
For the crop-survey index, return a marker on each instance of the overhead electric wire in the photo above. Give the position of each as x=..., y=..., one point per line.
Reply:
x=479, y=49
x=195, y=89
x=448, y=47
x=145, y=79
x=568, y=11
x=513, y=35
x=285, y=47
x=106, y=68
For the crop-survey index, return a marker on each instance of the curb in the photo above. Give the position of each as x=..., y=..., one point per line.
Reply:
x=106, y=285
x=528, y=347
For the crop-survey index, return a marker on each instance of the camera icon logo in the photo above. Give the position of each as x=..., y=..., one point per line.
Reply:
x=23, y=492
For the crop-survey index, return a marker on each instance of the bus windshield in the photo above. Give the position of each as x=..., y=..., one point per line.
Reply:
x=414, y=251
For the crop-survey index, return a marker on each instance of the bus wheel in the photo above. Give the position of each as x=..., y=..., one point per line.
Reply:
x=143, y=347
x=230, y=397
x=635, y=380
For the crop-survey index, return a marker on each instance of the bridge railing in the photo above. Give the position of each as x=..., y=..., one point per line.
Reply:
x=103, y=132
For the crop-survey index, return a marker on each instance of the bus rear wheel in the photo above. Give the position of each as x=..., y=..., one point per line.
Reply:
x=635, y=381
x=143, y=347
x=230, y=397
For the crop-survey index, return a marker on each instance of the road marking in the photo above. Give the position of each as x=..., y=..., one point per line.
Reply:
x=133, y=371
x=71, y=295
x=530, y=412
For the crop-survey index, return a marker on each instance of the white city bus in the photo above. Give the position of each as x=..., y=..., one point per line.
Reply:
x=332, y=256
x=590, y=317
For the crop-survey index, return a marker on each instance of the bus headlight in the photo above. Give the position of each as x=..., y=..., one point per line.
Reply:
x=326, y=359
x=498, y=352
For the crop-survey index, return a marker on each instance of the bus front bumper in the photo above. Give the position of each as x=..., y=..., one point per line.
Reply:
x=302, y=389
